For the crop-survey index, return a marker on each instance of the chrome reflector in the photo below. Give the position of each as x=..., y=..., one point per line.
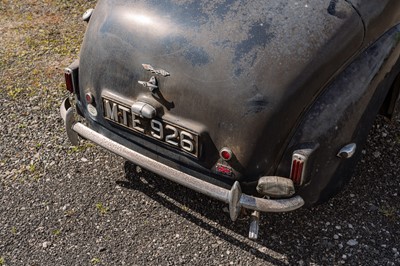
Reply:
x=347, y=151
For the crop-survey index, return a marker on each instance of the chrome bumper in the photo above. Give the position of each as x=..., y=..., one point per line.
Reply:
x=234, y=197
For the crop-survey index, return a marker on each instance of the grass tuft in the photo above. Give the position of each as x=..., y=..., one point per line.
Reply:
x=101, y=208
x=95, y=261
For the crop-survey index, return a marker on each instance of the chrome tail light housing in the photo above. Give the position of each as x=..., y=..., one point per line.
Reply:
x=299, y=165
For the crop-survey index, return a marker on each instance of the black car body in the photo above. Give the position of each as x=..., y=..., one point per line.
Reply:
x=261, y=104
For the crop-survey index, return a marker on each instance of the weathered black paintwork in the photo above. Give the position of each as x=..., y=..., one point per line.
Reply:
x=378, y=17
x=254, y=76
x=343, y=114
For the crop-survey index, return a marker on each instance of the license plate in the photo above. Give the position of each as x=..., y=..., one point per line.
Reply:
x=160, y=130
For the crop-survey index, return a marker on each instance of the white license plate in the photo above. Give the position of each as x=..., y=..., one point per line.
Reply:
x=161, y=130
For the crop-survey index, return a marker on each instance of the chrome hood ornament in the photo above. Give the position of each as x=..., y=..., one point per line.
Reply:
x=155, y=71
x=151, y=84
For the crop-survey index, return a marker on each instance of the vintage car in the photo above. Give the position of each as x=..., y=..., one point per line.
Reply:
x=263, y=105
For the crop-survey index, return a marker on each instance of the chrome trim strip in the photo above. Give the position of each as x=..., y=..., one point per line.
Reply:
x=233, y=197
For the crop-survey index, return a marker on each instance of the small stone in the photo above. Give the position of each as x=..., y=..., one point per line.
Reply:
x=394, y=250
x=338, y=227
x=352, y=195
x=336, y=237
x=350, y=226
x=340, y=246
x=102, y=249
x=84, y=160
x=352, y=242
x=376, y=154
x=344, y=257
x=384, y=134
x=46, y=244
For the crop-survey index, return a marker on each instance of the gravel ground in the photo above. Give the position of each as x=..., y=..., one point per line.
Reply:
x=63, y=205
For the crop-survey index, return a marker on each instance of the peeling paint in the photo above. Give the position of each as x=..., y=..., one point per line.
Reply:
x=258, y=37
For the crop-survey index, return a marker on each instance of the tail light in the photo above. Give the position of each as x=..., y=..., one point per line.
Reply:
x=224, y=169
x=297, y=170
x=71, y=77
x=68, y=81
x=89, y=98
x=299, y=163
x=225, y=154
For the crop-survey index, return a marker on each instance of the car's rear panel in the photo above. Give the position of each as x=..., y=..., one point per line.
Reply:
x=235, y=74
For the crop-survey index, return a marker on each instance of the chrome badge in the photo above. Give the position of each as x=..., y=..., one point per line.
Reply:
x=155, y=71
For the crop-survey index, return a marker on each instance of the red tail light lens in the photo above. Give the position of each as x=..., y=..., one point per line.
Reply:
x=89, y=98
x=225, y=154
x=297, y=171
x=300, y=164
x=224, y=169
x=71, y=78
x=68, y=81
x=299, y=161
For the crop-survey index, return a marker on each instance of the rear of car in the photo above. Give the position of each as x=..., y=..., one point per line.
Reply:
x=223, y=97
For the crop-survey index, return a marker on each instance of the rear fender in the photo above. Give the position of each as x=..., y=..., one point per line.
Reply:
x=343, y=114
x=391, y=103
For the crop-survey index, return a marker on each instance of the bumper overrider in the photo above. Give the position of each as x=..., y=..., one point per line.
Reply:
x=234, y=197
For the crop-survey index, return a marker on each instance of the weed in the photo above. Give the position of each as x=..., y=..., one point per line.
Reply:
x=56, y=232
x=388, y=212
x=2, y=261
x=69, y=213
x=13, y=93
x=74, y=149
x=36, y=177
x=32, y=168
x=101, y=208
x=95, y=261
x=13, y=230
x=81, y=148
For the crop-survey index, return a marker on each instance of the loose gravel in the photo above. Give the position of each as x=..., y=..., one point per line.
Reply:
x=65, y=205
